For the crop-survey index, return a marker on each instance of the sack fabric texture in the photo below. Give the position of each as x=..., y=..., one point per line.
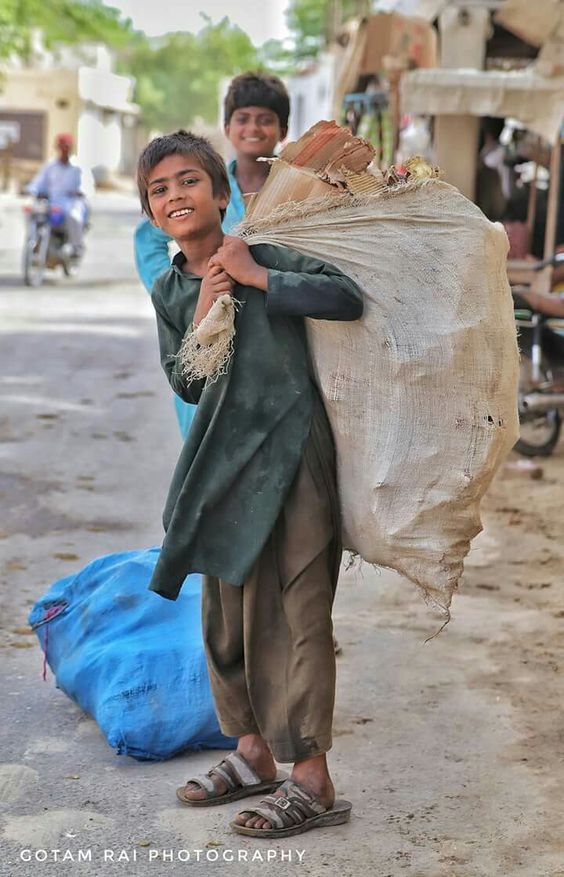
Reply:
x=133, y=661
x=421, y=392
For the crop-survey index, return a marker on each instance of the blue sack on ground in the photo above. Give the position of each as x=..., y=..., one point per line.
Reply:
x=129, y=658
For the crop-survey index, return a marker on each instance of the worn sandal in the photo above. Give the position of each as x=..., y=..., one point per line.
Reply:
x=294, y=812
x=240, y=778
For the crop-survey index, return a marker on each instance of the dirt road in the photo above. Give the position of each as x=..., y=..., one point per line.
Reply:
x=452, y=752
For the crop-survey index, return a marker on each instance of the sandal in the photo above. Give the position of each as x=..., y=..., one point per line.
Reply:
x=240, y=778
x=294, y=812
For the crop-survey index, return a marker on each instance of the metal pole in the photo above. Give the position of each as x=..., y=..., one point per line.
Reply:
x=553, y=193
x=532, y=204
x=545, y=279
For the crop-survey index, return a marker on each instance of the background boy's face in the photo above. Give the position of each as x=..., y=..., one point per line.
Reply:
x=254, y=131
x=181, y=198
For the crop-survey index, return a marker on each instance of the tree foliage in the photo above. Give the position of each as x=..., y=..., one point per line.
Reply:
x=179, y=75
x=313, y=22
x=60, y=21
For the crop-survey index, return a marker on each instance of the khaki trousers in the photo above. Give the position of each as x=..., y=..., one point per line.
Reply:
x=269, y=643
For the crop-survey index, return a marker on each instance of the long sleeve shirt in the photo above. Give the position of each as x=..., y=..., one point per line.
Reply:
x=58, y=180
x=252, y=423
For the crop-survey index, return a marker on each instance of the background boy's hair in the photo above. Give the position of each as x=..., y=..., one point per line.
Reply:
x=181, y=143
x=257, y=90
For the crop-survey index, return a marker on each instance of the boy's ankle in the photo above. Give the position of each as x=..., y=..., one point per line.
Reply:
x=255, y=750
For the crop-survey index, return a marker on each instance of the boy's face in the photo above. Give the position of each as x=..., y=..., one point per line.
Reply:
x=181, y=198
x=254, y=131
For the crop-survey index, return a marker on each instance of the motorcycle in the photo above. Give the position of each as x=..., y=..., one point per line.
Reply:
x=541, y=380
x=47, y=245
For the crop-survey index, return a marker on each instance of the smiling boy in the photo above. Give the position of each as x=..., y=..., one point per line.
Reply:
x=256, y=110
x=253, y=501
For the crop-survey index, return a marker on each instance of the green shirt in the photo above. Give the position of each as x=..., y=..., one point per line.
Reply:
x=251, y=424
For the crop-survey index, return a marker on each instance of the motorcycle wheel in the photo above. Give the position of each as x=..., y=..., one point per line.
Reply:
x=540, y=431
x=35, y=257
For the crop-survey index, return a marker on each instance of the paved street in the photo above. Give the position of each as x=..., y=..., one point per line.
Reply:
x=451, y=752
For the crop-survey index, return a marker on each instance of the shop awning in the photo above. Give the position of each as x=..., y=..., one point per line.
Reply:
x=534, y=100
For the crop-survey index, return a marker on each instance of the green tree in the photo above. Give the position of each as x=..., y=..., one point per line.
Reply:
x=60, y=21
x=312, y=23
x=178, y=76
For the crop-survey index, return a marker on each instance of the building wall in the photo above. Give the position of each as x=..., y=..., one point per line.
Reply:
x=100, y=139
x=87, y=102
x=53, y=92
x=463, y=44
x=311, y=96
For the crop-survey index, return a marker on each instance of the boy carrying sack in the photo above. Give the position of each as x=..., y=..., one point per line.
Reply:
x=253, y=501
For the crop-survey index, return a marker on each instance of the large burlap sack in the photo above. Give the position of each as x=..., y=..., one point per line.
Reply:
x=422, y=392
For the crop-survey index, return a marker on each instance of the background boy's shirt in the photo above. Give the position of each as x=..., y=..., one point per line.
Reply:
x=151, y=252
x=251, y=424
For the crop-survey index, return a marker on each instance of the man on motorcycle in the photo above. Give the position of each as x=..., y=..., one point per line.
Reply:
x=62, y=182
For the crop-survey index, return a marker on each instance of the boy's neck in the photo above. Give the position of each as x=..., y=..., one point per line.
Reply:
x=200, y=250
x=250, y=173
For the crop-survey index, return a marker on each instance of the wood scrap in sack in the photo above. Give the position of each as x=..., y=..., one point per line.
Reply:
x=421, y=392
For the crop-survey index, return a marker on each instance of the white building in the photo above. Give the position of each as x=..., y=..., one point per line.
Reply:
x=75, y=92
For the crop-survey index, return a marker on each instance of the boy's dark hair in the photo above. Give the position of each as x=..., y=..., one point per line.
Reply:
x=257, y=90
x=181, y=143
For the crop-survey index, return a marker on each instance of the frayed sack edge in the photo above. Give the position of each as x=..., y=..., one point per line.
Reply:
x=354, y=561
x=199, y=361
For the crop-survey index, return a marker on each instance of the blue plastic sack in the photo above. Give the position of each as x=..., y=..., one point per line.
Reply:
x=131, y=659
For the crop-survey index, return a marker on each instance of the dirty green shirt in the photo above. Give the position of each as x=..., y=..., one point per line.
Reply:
x=251, y=424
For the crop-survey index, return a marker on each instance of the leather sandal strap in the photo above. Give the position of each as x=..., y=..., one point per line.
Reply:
x=281, y=816
x=235, y=772
x=204, y=781
x=241, y=769
x=294, y=791
x=291, y=808
x=224, y=774
x=278, y=819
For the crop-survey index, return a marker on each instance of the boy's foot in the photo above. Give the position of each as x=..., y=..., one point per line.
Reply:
x=291, y=810
x=235, y=777
x=312, y=776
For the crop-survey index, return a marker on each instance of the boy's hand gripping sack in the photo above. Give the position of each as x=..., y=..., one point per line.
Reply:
x=422, y=392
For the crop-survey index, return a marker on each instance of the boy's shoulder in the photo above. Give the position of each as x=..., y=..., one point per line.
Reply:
x=173, y=283
x=164, y=285
x=274, y=256
x=282, y=258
